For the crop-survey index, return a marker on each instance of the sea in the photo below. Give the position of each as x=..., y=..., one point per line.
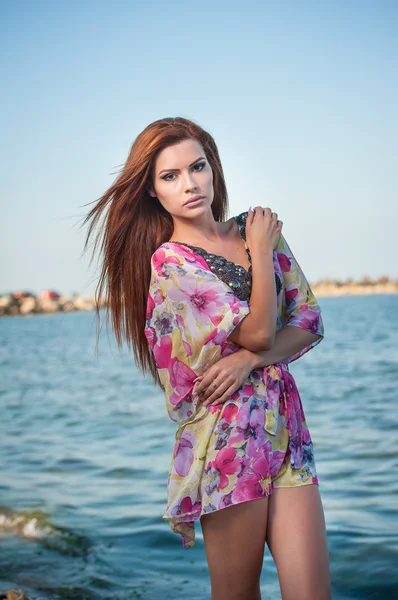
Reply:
x=85, y=446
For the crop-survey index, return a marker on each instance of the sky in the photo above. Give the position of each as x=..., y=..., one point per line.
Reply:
x=300, y=97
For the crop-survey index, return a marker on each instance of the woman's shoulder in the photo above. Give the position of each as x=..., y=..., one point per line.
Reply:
x=172, y=257
x=171, y=249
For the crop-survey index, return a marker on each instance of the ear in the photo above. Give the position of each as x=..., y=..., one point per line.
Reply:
x=151, y=192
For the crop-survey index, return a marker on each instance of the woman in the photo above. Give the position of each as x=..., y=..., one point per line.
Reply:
x=215, y=310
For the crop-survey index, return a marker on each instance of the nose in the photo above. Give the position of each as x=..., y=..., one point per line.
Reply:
x=190, y=182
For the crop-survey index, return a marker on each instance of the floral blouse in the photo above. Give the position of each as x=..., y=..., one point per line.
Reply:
x=191, y=311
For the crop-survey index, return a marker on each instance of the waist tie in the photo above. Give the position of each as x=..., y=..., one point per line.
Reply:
x=293, y=409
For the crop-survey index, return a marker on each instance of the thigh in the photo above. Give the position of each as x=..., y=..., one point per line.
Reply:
x=296, y=538
x=234, y=539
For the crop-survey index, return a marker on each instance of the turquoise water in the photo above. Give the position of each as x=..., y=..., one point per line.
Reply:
x=85, y=446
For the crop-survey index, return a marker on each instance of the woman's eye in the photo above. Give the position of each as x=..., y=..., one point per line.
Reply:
x=201, y=165
x=166, y=177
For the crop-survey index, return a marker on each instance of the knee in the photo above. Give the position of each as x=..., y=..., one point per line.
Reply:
x=243, y=592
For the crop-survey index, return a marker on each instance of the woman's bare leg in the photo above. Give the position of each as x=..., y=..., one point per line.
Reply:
x=234, y=540
x=296, y=537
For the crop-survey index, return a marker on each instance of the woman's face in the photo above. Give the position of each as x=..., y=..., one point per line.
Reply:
x=180, y=173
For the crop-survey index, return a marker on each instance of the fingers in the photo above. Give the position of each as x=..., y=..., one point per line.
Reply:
x=205, y=381
x=216, y=392
x=264, y=216
x=208, y=389
x=264, y=212
x=227, y=394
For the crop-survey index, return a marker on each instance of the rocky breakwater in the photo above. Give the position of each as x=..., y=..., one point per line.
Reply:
x=13, y=595
x=26, y=303
x=349, y=287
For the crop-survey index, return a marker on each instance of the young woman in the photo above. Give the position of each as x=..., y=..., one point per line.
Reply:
x=215, y=310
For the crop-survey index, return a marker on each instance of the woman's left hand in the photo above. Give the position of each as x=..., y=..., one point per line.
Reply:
x=226, y=376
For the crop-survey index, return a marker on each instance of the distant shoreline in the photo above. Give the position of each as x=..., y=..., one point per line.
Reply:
x=326, y=288
x=25, y=303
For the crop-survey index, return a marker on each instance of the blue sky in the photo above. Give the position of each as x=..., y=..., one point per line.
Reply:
x=301, y=98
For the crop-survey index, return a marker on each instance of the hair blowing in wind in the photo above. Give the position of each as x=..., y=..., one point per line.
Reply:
x=130, y=225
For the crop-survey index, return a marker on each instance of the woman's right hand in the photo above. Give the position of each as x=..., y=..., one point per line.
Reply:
x=262, y=229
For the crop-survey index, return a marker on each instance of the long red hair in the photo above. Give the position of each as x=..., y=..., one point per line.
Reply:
x=135, y=225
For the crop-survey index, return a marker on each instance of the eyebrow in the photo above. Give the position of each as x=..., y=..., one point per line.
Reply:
x=195, y=161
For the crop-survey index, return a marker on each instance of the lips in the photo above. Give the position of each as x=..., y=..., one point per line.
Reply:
x=193, y=199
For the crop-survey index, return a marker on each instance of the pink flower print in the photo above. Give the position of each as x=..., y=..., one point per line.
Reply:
x=151, y=336
x=294, y=407
x=276, y=462
x=226, y=463
x=295, y=416
x=220, y=336
x=247, y=391
x=236, y=304
x=189, y=255
x=162, y=352
x=216, y=336
x=186, y=507
x=249, y=488
x=211, y=480
x=250, y=428
x=229, y=412
x=181, y=379
x=160, y=258
x=309, y=322
x=223, y=433
x=164, y=324
x=158, y=297
x=260, y=461
x=183, y=456
x=149, y=307
x=223, y=429
x=180, y=321
x=284, y=262
x=205, y=300
x=306, y=437
x=225, y=500
x=290, y=296
x=273, y=387
x=188, y=348
x=213, y=408
x=255, y=478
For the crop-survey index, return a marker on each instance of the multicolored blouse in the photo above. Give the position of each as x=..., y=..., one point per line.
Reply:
x=191, y=311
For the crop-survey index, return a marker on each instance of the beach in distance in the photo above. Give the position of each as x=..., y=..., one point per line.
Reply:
x=85, y=446
x=48, y=301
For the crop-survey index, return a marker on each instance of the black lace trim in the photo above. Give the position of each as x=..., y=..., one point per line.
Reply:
x=233, y=274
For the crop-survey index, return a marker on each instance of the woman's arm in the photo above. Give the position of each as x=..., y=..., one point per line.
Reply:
x=235, y=368
x=288, y=342
x=301, y=313
x=257, y=330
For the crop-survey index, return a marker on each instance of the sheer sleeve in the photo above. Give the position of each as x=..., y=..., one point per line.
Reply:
x=190, y=314
x=301, y=308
